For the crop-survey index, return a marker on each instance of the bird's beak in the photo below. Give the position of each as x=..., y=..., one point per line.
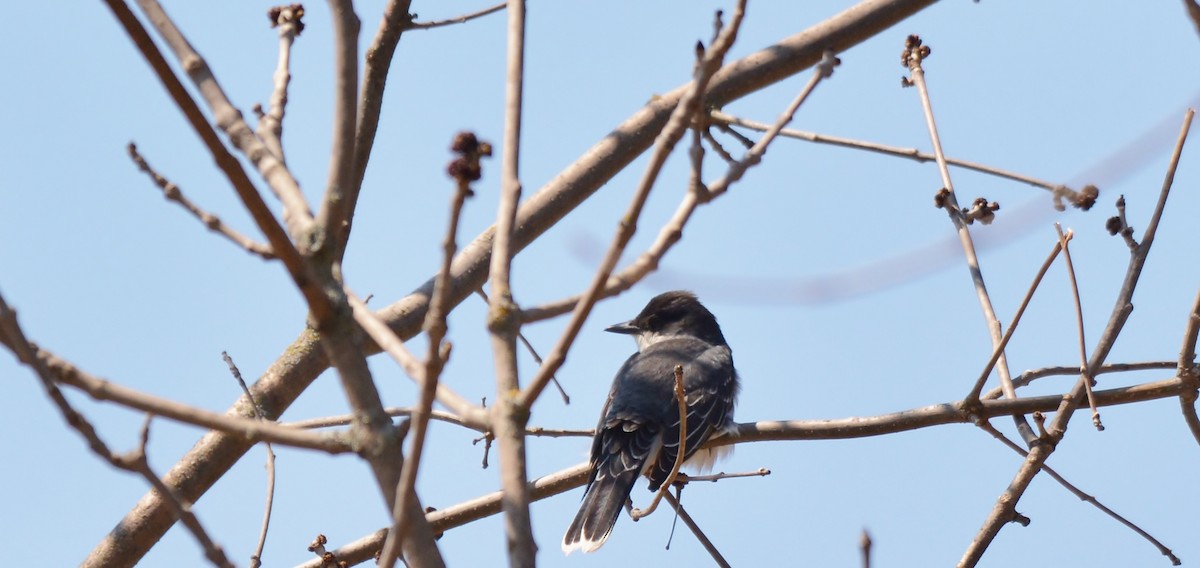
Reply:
x=626, y=328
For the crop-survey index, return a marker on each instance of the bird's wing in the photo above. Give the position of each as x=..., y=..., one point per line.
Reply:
x=710, y=384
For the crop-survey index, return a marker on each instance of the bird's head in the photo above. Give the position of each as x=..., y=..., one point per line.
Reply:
x=672, y=314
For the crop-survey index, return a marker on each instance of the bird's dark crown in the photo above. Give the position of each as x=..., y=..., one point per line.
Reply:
x=679, y=312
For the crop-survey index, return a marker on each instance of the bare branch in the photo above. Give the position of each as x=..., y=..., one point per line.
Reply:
x=377, y=63
x=137, y=462
x=1029, y=376
x=1082, y=199
x=509, y=417
x=342, y=166
x=212, y=222
x=464, y=412
x=270, y=124
x=1065, y=240
x=256, y=558
x=533, y=353
x=251, y=430
x=456, y=20
x=760, y=472
x=998, y=350
x=345, y=419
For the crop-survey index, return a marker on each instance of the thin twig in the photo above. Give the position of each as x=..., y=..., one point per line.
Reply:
x=681, y=117
x=998, y=350
x=1082, y=199
x=440, y=415
x=680, y=452
x=717, y=147
x=210, y=221
x=699, y=126
x=466, y=413
x=760, y=472
x=256, y=558
x=1065, y=240
x=695, y=528
x=229, y=121
x=270, y=124
x=532, y=353
x=987, y=427
x=1028, y=377
x=456, y=20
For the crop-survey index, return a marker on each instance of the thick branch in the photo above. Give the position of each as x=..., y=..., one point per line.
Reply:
x=377, y=63
x=335, y=209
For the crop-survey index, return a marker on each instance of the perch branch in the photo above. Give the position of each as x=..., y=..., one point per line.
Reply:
x=783, y=430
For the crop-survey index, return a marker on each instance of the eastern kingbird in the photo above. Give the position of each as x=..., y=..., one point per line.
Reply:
x=638, y=431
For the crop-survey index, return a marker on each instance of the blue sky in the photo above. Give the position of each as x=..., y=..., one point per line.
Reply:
x=107, y=274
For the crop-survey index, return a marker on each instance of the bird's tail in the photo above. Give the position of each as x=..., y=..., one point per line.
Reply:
x=599, y=511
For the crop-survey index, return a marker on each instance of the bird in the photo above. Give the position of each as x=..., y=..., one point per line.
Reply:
x=638, y=432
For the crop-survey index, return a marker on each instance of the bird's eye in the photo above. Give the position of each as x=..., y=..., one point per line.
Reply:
x=652, y=321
